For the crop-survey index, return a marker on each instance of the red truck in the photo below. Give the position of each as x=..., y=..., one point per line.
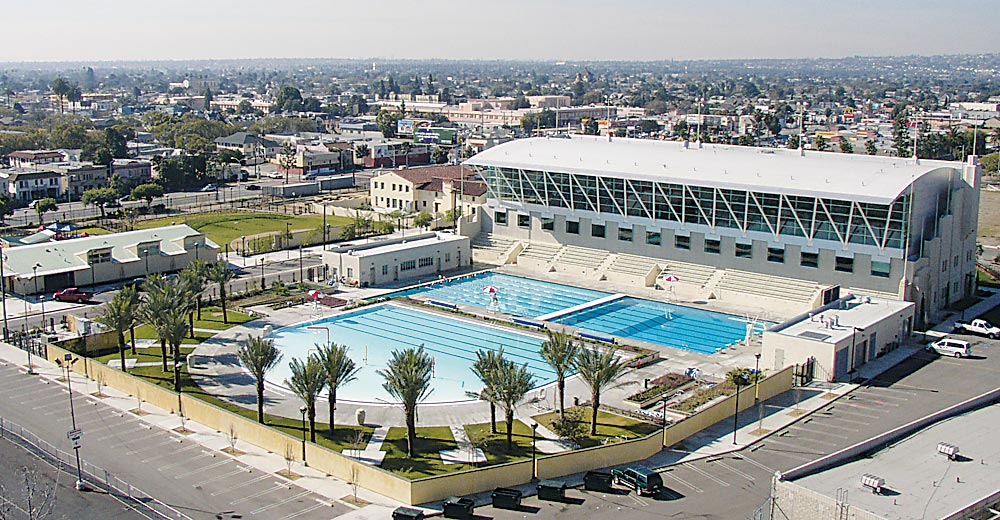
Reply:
x=72, y=294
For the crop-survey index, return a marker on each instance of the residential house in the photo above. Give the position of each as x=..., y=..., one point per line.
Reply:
x=433, y=189
x=249, y=145
x=29, y=184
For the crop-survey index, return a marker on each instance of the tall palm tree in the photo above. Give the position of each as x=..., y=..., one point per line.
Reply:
x=119, y=315
x=559, y=351
x=340, y=369
x=160, y=298
x=190, y=286
x=220, y=273
x=307, y=381
x=484, y=367
x=511, y=384
x=599, y=369
x=175, y=327
x=259, y=356
x=408, y=380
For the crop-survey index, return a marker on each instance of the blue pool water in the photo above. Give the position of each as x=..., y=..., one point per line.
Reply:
x=515, y=295
x=662, y=323
x=373, y=332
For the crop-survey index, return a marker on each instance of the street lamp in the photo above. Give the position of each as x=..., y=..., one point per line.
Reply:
x=664, y=417
x=756, y=378
x=74, y=435
x=534, y=465
x=243, y=247
x=197, y=245
x=34, y=275
x=300, y=264
x=41, y=300
x=302, y=410
x=262, y=284
x=740, y=380
x=145, y=255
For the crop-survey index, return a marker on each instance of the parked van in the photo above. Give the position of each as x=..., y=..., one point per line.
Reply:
x=951, y=347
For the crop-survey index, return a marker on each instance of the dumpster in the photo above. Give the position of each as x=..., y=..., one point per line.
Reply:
x=406, y=513
x=506, y=498
x=597, y=481
x=456, y=507
x=552, y=490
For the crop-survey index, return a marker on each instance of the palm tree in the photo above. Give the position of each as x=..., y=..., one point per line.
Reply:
x=259, y=356
x=408, y=380
x=307, y=381
x=159, y=300
x=60, y=87
x=340, y=370
x=219, y=273
x=559, y=351
x=599, y=369
x=484, y=367
x=119, y=316
x=175, y=327
x=192, y=285
x=511, y=384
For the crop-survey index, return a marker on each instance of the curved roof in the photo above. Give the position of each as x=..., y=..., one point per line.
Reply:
x=863, y=178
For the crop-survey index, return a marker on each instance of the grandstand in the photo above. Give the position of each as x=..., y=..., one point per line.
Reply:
x=580, y=260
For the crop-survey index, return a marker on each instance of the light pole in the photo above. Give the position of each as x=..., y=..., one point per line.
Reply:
x=262, y=284
x=740, y=380
x=41, y=300
x=243, y=247
x=756, y=378
x=325, y=229
x=34, y=275
x=534, y=465
x=664, y=417
x=145, y=255
x=74, y=435
x=197, y=246
x=3, y=288
x=302, y=410
x=300, y=264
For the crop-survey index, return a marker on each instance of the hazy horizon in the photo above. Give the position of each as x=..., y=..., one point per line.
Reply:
x=583, y=30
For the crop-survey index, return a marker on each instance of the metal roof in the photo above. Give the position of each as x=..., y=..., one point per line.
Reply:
x=862, y=178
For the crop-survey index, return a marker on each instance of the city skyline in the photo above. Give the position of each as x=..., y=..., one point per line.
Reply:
x=556, y=30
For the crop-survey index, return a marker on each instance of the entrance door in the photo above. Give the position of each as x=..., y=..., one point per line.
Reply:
x=371, y=275
x=395, y=272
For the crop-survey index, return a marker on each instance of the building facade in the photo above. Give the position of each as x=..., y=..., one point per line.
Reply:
x=433, y=189
x=422, y=256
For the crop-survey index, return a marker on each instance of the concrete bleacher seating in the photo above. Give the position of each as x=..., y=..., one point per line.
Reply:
x=541, y=254
x=694, y=274
x=577, y=258
x=768, y=286
x=489, y=242
x=633, y=265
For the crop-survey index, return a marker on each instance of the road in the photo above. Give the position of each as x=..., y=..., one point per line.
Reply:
x=736, y=484
x=197, y=481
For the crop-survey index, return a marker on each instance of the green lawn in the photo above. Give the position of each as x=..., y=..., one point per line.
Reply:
x=144, y=355
x=211, y=318
x=223, y=228
x=496, y=444
x=608, y=425
x=93, y=231
x=425, y=461
x=147, y=332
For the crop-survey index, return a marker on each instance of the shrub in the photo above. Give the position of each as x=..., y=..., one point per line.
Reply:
x=573, y=427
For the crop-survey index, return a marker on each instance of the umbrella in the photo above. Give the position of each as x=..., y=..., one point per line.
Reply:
x=314, y=294
x=670, y=278
x=490, y=289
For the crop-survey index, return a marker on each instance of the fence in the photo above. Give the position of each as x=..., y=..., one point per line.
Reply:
x=93, y=475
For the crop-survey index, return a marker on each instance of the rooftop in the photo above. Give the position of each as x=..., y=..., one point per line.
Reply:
x=395, y=242
x=864, y=178
x=836, y=323
x=921, y=483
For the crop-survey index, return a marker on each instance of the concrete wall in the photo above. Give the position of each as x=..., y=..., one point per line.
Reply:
x=472, y=481
x=794, y=502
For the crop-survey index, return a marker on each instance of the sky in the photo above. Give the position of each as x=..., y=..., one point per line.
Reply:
x=117, y=30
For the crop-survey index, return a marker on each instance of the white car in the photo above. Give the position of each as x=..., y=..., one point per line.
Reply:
x=951, y=347
x=276, y=175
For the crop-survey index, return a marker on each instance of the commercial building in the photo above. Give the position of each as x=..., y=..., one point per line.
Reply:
x=421, y=256
x=80, y=262
x=35, y=158
x=732, y=222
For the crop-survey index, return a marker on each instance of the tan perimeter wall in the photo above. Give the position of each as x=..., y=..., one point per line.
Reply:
x=472, y=481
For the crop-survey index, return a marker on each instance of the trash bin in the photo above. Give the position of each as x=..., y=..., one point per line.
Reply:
x=406, y=513
x=551, y=490
x=506, y=498
x=456, y=507
x=597, y=481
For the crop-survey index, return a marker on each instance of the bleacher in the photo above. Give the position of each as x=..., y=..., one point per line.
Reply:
x=582, y=257
x=542, y=253
x=695, y=274
x=768, y=286
x=488, y=242
x=633, y=265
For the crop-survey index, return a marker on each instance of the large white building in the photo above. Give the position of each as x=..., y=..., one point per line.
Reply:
x=742, y=221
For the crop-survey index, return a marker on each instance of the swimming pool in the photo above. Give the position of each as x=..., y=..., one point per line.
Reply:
x=515, y=295
x=676, y=326
x=373, y=332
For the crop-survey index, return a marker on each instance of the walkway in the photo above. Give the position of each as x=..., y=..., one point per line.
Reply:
x=372, y=454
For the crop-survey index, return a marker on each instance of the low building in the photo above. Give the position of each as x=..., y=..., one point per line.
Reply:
x=312, y=161
x=834, y=340
x=78, y=177
x=372, y=263
x=248, y=144
x=434, y=189
x=292, y=190
x=132, y=170
x=80, y=262
x=35, y=158
x=392, y=153
x=29, y=184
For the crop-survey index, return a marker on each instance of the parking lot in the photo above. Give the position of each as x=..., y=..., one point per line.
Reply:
x=735, y=485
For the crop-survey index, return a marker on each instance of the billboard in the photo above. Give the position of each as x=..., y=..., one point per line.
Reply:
x=404, y=127
x=432, y=135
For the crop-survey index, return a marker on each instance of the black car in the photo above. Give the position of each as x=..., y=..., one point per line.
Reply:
x=253, y=187
x=137, y=283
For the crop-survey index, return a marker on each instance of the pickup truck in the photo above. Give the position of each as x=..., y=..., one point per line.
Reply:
x=978, y=327
x=72, y=294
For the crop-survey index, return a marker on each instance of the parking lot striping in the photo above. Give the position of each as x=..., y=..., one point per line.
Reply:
x=119, y=433
x=805, y=432
x=734, y=470
x=184, y=461
x=150, y=446
x=684, y=482
x=834, y=426
x=309, y=509
x=868, y=397
x=705, y=474
x=798, y=448
x=169, y=453
x=638, y=500
x=258, y=494
x=753, y=462
x=206, y=468
x=840, y=408
x=240, y=485
x=832, y=417
x=236, y=471
x=282, y=502
x=804, y=437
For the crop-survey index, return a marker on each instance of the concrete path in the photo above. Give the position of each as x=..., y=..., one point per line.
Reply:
x=372, y=454
x=464, y=453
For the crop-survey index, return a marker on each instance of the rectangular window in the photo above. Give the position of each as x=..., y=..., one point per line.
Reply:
x=682, y=242
x=844, y=264
x=350, y=272
x=572, y=227
x=776, y=255
x=425, y=262
x=447, y=257
x=548, y=224
x=809, y=259
x=597, y=230
x=385, y=270
x=881, y=269
x=408, y=265
x=653, y=238
x=712, y=246
x=500, y=217
x=625, y=234
x=944, y=266
x=744, y=250
x=524, y=220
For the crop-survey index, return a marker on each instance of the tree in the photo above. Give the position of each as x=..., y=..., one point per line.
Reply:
x=649, y=126
x=422, y=219
x=259, y=356
x=43, y=206
x=485, y=367
x=175, y=327
x=559, y=351
x=60, y=87
x=286, y=158
x=339, y=368
x=193, y=279
x=846, y=146
x=361, y=150
x=119, y=316
x=408, y=379
x=439, y=155
x=990, y=163
x=307, y=381
x=161, y=296
x=794, y=141
x=289, y=99
x=512, y=383
x=452, y=215
x=98, y=197
x=386, y=122
x=870, y=148
x=821, y=144
x=598, y=369
x=74, y=96
x=901, y=136
x=220, y=273
x=590, y=127
x=147, y=192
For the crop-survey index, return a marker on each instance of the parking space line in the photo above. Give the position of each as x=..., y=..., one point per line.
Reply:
x=830, y=416
x=840, y=409
x=241, y=484
x=236, y=471
x=882, y=395
x=705, y=474
x=183, y=462
x=171, y=453
x=753, y=462
x=825, y=424
x=258, y=494
x=309, y=509
x=802, y=439
x=794, y=454
x=734, y=470
x=150, y=446
x=682, y=481
x=119, y=433
x=639, y=501
x=276, y=504
x=206, y=468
